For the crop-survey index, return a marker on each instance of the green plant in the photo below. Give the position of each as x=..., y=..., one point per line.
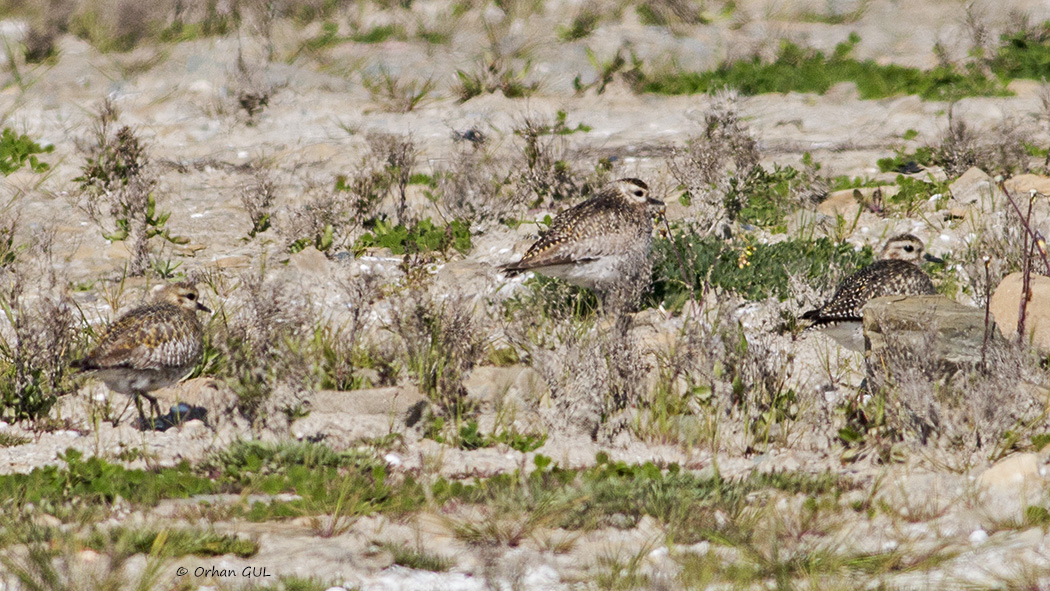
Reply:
x=12, y=440
x=378, y=34
x=499, y=69
x=495, y=75
x=558, y=127
x=664, y=13
x=797, y=69
x=395, y=95
x=441, y=343
x=421, y=237
x=18, y=150
x=902, y=159
x=755, y=271
x=471, y=437
x=418, y=558
x=172, y=542
x=118, y=174
x=1023, y=54
x=583, y=24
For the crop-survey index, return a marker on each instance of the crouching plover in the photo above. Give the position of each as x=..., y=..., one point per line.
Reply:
x=896, y=272
x=150, y=347
x=595, y=244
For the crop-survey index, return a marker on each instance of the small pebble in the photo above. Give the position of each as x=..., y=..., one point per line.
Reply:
x=979, y=536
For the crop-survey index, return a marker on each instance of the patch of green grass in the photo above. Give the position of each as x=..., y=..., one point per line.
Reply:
x=1036, y=516
x=172, y=542
x=617, y=494
x=18, y=150
x=418, y=558
x=1041, y=440
x=469, y=436
x=1034, y=150
x=552, y=298
x=557, y=128
x=923, y=156
x=798, y=69
x=1025, y=54
x=843, y=182
x=328, y=37
x=12, y=440
x=379, y=34
x=755, y=271
x=655, y=14
x=294, y=583
x=582, y=25
x=423, y=236
x=97, y=481
x=497, y=75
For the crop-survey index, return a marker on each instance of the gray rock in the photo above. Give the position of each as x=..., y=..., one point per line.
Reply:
x=933, y=330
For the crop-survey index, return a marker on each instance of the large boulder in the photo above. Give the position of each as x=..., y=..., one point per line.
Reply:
x=1006, y=305
x=946, y=334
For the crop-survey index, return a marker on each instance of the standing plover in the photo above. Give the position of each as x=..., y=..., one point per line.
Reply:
x=150, y=347
x=896, y=272
x=595, y=243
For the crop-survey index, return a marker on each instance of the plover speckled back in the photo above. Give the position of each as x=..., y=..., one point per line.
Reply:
x=150, y=347
x=594, y=243
x=895, y=273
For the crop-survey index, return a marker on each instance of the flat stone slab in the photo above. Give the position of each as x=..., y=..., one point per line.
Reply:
x=946, y=334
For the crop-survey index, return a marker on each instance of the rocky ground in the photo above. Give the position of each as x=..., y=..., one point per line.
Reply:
x=955, y=515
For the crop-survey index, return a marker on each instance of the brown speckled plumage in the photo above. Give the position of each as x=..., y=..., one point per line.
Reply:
x=895, y=273
x=881, y=278
x=150, y=347
x=615, y=223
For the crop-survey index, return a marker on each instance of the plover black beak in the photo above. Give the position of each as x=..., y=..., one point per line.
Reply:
x=932, y=259
x=203, y=308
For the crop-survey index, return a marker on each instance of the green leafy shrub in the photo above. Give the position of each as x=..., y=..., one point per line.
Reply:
x=755, y=271
x=18, y=150
x=422, y=237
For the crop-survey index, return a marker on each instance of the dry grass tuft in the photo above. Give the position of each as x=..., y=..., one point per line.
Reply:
x=723, y=151
x=117, y=189
x=258, y=197
x=265, y=340
x=441, y=342
x=966, y=409
x=1000, y=150
x=37, y=335
x=475, y=186
x=594, y=371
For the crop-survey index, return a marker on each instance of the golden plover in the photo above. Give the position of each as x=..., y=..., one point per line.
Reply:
x=150, y=347
x=896, y=272
x=594, y=243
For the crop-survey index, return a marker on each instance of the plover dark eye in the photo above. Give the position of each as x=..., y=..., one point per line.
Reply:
x=191, y=296
x=638, y=193
x=908, y=248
